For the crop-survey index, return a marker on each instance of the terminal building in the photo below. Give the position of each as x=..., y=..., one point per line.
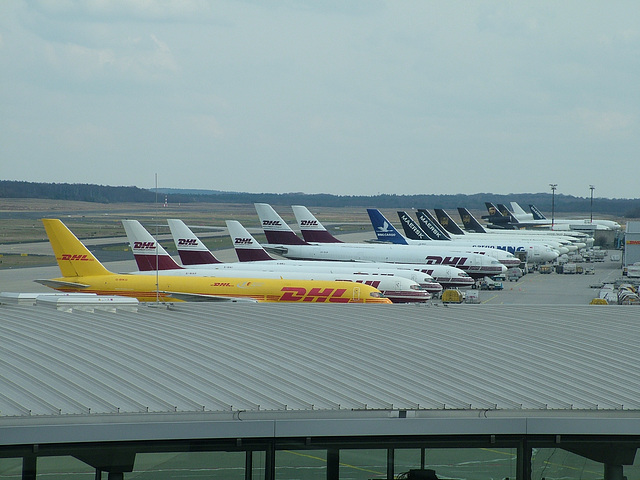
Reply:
x=111, y=390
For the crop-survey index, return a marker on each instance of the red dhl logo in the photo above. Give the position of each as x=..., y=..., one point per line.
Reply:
x=437, y=260
x=81, y=258
x=221, y=284
x=271, y=223
x=144, y=245
x=317, y=294
x=187, y=242
x=308, y=223
x=243, y=241
x=633, y=242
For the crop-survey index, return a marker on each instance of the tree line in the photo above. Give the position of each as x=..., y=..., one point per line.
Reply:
x=622, y=207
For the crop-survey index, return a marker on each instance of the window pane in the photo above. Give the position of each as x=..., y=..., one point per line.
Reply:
x=301, y=464
x=189, y=465
x=472, y=463
x=552, y=463
x=10, y=468
x=63, y=468
x=460, y=463
x=363, y=464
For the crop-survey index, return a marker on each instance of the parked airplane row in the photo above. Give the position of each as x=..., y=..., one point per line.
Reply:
x=150, y=256
x=82, y=272
x=283, y=241
x=535, y=251
x=193, y=252
x=403, y=269
x=502, y=217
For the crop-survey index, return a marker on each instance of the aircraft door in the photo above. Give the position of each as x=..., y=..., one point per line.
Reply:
x=355, y=296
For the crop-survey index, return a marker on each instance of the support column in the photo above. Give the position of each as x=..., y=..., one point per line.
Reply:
x=29, y=467
x=248, y=465
x=613, y=472
x=523, y=466
x=333, y=464
x=391, y=462
x=270, y=463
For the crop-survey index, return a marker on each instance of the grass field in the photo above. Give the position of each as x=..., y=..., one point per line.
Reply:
x=20, y=221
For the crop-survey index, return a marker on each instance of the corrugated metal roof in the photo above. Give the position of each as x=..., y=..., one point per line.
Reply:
x=230, y=357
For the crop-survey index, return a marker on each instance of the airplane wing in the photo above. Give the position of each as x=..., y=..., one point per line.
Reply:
x=195, y=297
x=277, y=249
x=55, y=284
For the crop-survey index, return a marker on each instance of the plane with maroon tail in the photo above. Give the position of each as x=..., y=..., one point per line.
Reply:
x=282, y=242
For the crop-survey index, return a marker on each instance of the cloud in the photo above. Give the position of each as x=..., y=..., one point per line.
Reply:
x=124, y=10
x=607, y=124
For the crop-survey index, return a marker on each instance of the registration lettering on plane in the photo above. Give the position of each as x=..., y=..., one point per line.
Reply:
x=316, y=294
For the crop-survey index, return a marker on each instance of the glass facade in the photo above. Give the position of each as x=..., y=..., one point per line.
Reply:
x=476, y=458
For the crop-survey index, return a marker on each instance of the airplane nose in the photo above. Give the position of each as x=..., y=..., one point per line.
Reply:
x=550, y=255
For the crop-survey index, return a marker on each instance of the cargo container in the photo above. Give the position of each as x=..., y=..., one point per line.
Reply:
x=452, y=295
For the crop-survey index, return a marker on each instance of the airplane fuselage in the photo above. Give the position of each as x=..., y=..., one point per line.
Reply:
x=473, y=264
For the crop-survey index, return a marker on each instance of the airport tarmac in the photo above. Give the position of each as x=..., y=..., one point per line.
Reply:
x=554, y=289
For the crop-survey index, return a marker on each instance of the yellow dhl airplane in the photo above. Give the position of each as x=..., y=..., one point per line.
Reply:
x=82, y=272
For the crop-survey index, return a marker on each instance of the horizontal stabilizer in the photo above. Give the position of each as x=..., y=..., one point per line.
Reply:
x=58, y=284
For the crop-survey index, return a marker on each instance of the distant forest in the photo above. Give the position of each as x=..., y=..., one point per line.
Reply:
x=619, y=207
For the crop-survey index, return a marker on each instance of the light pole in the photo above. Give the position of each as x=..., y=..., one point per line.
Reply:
x=553, y=202
x=592, y=188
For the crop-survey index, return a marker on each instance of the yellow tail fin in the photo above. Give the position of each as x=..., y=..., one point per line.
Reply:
x=74, y=259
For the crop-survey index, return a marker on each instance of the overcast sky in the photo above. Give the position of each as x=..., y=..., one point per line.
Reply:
x=323, y=96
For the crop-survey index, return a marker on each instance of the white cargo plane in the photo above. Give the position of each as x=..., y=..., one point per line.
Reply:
x=536, y=218
x=576, y=224
x=283, y=241
x=148, y=252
